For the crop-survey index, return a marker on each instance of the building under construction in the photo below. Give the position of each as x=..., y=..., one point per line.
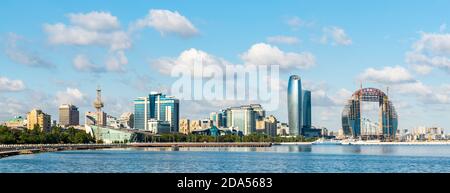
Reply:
x=354, y=125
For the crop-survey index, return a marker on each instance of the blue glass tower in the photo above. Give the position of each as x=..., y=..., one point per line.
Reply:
x=295, y=104
x=306, y=99
x=156, y=106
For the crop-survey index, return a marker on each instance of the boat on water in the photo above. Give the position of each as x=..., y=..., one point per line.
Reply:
x=359, y=142
x=326, y=142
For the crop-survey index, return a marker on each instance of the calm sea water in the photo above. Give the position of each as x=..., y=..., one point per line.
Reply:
x=280, y=159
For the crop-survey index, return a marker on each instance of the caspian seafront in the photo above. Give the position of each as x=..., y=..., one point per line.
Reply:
x=278, y=158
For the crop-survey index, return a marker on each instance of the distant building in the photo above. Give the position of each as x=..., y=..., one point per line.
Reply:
x=206, y=123
x=69, y=115
x=185, y=126
x=283, y=129
x=156, y=106
x=195, y=124
x=112, y=122
x=270, y=125
x=126, y=120
x=158, y=126
x=95, y=118
x=39, y=118
x=214, y=131
x=244, y=118
x=217, y=119
x=17, y=122
x=312, y=132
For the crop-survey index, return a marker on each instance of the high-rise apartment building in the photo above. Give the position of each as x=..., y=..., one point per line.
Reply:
x=69, y=115
x=38, y=118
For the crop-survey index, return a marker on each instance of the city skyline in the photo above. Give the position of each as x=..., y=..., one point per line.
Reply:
x=55, y=57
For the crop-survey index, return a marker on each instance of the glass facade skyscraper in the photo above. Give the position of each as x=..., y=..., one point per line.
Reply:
x=294, y=102
x=244, y=118
x=306, y=101
x=156, y=106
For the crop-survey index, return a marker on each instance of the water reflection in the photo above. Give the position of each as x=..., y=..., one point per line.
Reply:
x=315, y=149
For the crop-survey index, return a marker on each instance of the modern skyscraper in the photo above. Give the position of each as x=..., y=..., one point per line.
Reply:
x=294, y=98
x=243, y=118
x=156, y=106
x=306, y=101
x=69, y=115
x=39, y=118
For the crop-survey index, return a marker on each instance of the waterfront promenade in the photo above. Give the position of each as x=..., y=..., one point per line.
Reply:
x=18, y=149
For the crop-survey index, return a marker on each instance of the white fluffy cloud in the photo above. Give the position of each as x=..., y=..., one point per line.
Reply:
x=432, y=50
x=167, y=22
x=94, y=20
x=78, y=35
x=321, y=95
x=265, y=54
x=92, y=29
x=8, y=85
x=337, y=35
x=387, y=75
x=71, y=96
x=402, y=82
x=22, y=55
x=258, y=54
x=187, y=59
x=283, y=40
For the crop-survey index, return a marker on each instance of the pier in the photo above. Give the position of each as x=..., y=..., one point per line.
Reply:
x=19, y=149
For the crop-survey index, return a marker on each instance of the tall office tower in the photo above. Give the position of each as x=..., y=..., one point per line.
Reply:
x=40, y=119
x=306, y=100
x=69, y=115
x=294, y=98
x=242, y=118
x=217, y=119
x=156, y=106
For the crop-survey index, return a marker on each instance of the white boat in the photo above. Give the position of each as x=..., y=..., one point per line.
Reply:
x=327, y=142
x=361, y=142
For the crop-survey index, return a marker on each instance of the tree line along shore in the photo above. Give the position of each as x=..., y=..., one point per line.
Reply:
x=58, y=135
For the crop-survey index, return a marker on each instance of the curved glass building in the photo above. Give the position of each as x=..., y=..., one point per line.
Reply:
x=294, y=97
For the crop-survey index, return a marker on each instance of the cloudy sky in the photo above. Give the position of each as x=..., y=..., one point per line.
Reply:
x=55, y=52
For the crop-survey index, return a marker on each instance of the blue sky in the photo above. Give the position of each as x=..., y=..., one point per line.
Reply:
x=402, y=44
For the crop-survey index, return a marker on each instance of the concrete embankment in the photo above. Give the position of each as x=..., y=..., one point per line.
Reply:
x=11, y=150
x=18, y=149
x=293, y=143
x=401, y=143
